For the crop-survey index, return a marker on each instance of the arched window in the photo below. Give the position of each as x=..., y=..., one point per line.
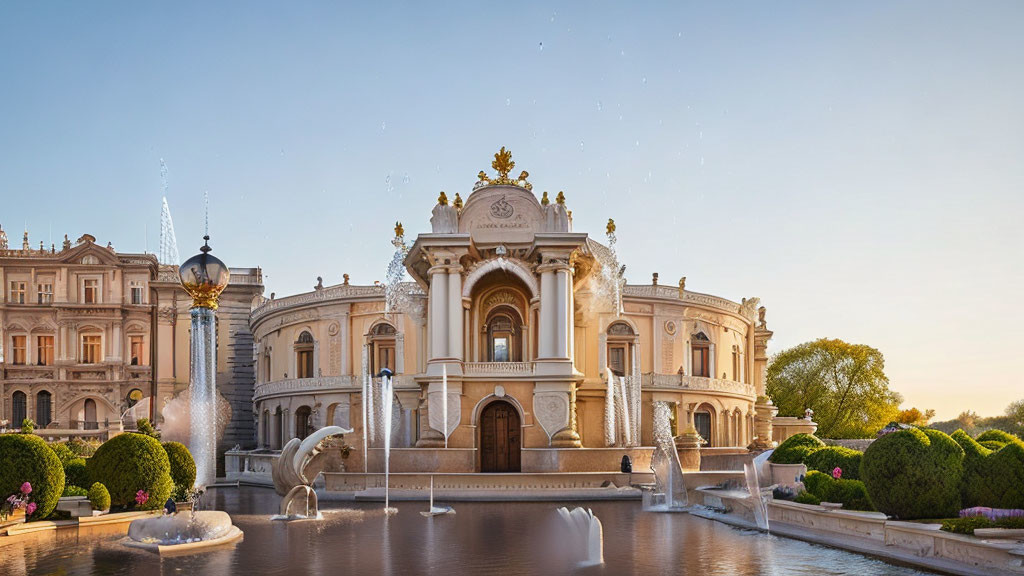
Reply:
x=621, y=339
x=277, y=436
x=382, y=347
x=304, y=355
x=90, y=419
x=303, y=422
x=19, y=404
x=504, y=335
x=700, y=348
x=702, y=422
x=265, y=429
x=43, y=409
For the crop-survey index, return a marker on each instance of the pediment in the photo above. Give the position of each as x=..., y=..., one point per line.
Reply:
x=77, y=254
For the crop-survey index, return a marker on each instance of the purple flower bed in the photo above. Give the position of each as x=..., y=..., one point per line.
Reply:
x=992, y=514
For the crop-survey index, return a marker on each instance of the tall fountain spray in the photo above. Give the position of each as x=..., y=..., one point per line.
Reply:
x=168, y=242
x=204, y=277
x=387, y=398
x=611, y=281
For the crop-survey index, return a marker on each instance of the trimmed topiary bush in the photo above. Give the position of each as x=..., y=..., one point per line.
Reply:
x=831, y=457
x=998, y=436
x=70, y=490
x=99, y=497
x=851, y=493
x=807, y=498
x=76, y=474
x=82, y=448
x=63, y=453
x=974, y=460
x=914, y=473
x=183, y=468
x=131, y=462
x=1001, y=479
x=992, y=445
x=27, y=458
x=795, y=449
x=146, y=427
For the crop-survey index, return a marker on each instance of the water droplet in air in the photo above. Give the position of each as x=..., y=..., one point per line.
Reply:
x=581, y=145
x=598, y=105
x=383, y=126
x=405, y=179
x=638, y=143
x=540, y=47
x=701, y=160
x=644, y=81
x=508, y=101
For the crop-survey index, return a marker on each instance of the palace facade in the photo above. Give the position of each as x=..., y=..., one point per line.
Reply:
x=552, y=362
x=90, y=337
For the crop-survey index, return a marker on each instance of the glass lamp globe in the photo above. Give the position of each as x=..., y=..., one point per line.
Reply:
x=204, y=277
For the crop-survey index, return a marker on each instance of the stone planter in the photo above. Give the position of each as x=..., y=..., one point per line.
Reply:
x=14, y=518
x=787, y=473
x=75, y=505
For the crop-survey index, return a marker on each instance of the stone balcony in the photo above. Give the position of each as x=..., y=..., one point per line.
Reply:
x=697, y=383
x=498, y=369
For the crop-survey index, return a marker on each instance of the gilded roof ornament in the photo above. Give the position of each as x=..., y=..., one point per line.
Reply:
x=442, y=199
x=503, y=165
x=560, y=198
x=544, y=199
x=458, y=202
x=399, y=230
x=610, y=228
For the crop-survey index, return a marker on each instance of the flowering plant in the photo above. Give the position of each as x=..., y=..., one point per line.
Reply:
x=18, y=501
x=141, y=497
x=837, y=472
x=993, y=514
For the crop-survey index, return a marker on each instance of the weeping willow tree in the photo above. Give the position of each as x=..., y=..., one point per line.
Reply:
x=844, y=384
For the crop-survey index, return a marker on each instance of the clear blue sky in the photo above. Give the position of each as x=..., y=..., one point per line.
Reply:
x=855, y=165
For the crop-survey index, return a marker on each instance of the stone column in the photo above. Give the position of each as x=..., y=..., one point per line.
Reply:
x=563, y=287
x=546, y=334
x=346, y=345
x=438, y=312
x=455, y=312
x=400, y=353
x=764, y=410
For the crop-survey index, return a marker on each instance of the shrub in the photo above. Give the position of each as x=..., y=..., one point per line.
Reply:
x=183, y=469
x=63, y=453
x=1001, y=479
x=806, y=498
x=82, y=448
x=998, y=436
x=27, y=458
x=76, y=474
x=28, y=426
x=131, y=462
x=146, y=427
x=969, y=524
x=795, y=449
x=992, y=445
x=974, y=458
x=851, y=493
x=832, y=457
x=914, y=473
x=99, y=497
x=70, y=490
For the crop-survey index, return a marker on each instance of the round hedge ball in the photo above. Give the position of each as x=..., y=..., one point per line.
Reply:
x=27, y=458
x=131, y=462
x=795, y=449
x=183, y=467
x=913, y=474
x=99, y=497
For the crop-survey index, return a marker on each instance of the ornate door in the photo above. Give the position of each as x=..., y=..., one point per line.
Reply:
x=499, y=438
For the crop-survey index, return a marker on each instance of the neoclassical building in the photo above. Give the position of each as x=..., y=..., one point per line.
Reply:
x=88, y=333
x=552, y=361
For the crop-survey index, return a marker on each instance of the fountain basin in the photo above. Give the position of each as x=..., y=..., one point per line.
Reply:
x=183, y=532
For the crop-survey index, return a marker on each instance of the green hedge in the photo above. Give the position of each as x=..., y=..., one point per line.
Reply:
x=992, y=445
x=851, y=493
x=807, y=498
x=914, y=473
x=63, y=453
x=831, y=457
x=973, y=478
x=27, y=458
x=969, y=524
x=1001, y=481
x=998, y=436
x=131, y=462
x=183, y=468
x=99, y=497
x=76, y=474
x=795, y=449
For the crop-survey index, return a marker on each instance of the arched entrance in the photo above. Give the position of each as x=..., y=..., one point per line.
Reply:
x=500, y=438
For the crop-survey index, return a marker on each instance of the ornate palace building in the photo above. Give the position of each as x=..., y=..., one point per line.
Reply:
x=552, y=361
x=90, y=336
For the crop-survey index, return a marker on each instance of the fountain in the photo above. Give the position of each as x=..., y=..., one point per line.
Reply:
x=204, y=277
x=585, y=536
x=297, y=468
x=394, y=295
x=386, y=402
x=669, y=493
x=176, y=533
x=611, y=280
x=622, y=410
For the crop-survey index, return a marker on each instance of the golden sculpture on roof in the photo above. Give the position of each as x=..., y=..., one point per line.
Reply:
x=503, y=165
x=399, y=230
x=458, y=202
x=560, y=198
x=610, y=228
x=544, y=199
x=442, y=199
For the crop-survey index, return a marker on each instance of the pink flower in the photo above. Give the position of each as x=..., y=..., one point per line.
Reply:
x=26, y=488
x=837, y=472
x=30, y=508
x=141, y=497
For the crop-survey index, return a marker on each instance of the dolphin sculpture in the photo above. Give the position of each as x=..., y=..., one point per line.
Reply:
x=294, y=472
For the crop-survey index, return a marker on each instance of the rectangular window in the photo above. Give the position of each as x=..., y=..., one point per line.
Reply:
x=91, y=291
x=385, y=358
x=136, y=292
x=45, y=294
x=17, y=293
x=91, y=346
x=617, y=359
x=44, y=350
x=305, y=364
x=701, y=364
x=136, y=350
x=19, y=350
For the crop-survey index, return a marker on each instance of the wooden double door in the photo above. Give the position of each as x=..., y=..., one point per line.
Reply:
x=500, y=438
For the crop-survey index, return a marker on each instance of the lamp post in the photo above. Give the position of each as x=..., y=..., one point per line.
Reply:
x=204, y=277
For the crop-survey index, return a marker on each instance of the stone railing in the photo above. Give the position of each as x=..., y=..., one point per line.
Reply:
x=304, y=386
x=678, y=381
x=498, y=368
x=672, y=293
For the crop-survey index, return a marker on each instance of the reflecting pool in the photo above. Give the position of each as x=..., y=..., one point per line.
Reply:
x=482, y=538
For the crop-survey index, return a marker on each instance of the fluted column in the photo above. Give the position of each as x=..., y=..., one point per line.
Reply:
x=438, y=312
x=546, y=335
x=563, y=313
x=455, y=312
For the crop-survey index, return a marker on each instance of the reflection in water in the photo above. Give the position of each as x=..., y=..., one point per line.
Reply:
x=506, y=538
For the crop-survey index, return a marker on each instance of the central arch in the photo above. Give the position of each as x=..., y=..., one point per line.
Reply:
x=500, y=438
